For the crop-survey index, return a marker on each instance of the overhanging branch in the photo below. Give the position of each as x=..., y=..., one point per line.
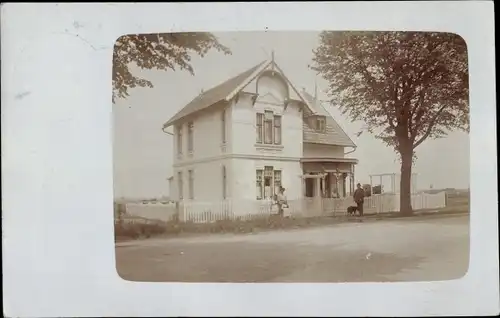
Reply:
x=430, y=127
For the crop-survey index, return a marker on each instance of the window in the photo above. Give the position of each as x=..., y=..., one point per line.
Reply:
x=260, y=188
x=268, y=182
x=180, y=185
x=277, y=130
x=260, y=130
x=321, y=124
x=223, y=125
x=224, y=182
x=191, y=184
x=277, y=181
x=268, y=127
x=190, y=137
x=179, y=140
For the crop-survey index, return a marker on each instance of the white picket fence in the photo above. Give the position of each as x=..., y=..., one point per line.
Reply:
x=206, y=212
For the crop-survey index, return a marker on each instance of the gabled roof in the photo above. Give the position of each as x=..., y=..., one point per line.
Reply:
x=334, y=134
x=213, y=95
x=227, y=90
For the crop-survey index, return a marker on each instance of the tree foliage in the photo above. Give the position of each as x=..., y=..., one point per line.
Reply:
x=406, y=86
x=164, y=51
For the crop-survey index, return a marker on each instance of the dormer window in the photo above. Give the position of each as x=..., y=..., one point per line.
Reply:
x=319, y=123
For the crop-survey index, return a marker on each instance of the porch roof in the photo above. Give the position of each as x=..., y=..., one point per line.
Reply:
x=329, y=159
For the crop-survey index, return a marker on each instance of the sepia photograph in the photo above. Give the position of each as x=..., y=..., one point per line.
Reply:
x=333, y=156
x=257, y=159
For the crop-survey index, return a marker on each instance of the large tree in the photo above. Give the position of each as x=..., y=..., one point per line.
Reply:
x=161, y=51
x=406, y=86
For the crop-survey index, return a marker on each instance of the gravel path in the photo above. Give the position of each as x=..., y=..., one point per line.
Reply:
x=395, y=250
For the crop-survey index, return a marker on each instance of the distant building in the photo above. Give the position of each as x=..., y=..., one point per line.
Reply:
x=255, y=132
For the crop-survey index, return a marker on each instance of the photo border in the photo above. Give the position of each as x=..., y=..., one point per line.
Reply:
x=58, y=243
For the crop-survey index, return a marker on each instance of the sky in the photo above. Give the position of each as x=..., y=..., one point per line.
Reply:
x=143, y=153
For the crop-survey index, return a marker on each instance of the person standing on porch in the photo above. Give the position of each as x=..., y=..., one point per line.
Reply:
x=281, y=201
x=359, y=198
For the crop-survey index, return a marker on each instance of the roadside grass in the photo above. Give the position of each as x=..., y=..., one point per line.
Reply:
x=139, y=228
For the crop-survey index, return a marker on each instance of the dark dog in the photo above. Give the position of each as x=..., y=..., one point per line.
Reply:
x=352, y=210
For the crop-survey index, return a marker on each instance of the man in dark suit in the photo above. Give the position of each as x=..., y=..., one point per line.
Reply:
x=359, y=198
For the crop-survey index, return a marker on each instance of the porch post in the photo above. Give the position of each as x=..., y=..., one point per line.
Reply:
x=352, y=184
x=344, y=185
x=322, y=189
x=317, y=189
x=337, y=183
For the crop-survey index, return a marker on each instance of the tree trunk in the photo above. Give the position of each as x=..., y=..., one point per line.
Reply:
x=405, y=183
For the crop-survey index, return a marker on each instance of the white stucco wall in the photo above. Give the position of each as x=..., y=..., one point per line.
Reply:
x=208, y=176
x=322, y=151
x=207, y=135
x=208, y=154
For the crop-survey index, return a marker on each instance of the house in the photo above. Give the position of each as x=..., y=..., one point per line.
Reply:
x=253, y=133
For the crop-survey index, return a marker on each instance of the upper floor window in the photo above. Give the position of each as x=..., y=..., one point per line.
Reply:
x=223, y=125
x=179, y=140
x=320, y=124
x=260, y=127
x=277, y=130
x=268, y=128
x=190, y=137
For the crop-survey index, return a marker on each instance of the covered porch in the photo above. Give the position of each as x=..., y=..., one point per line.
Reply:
x=328, y=177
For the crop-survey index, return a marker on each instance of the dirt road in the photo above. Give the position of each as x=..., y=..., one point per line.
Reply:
x=393, y=250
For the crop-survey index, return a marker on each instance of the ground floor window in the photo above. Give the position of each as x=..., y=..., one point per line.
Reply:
x=180, y=185
x=191, y=184
x=224, y=182
x=268, y=182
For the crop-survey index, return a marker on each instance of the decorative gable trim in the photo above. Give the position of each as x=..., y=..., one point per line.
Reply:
x=274, y=101
x=260, y=70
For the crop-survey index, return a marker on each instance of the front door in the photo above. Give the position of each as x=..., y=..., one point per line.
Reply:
x=309, y=187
